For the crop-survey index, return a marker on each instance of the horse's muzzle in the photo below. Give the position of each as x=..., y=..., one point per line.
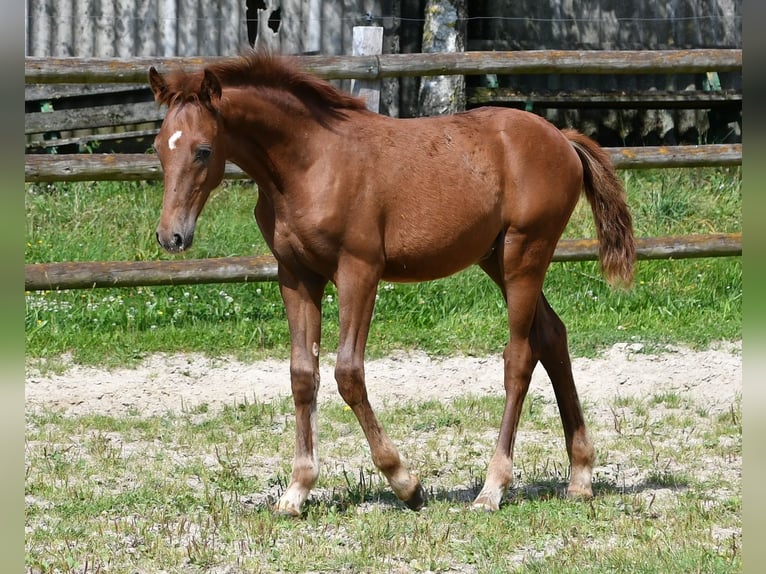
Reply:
x=175, y=242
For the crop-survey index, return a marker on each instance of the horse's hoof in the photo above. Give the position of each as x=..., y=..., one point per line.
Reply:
x=485, y=503
x=287, y=508
x=579, y=492
x=417, y=500
x=483, y=507
x=288, y=513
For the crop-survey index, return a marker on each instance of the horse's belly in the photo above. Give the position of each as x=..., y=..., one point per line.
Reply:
x=403, y=271
x=424, y=252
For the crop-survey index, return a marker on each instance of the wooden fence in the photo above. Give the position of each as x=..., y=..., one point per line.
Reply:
x=87, y=275
x=134, y=70
x=83, y=167
x=63, y=117
x=131, y=167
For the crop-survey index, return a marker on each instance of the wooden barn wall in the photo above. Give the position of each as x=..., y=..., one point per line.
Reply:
x=616, y=25
x=605, y=24
x=317, y=26
x=125, y=28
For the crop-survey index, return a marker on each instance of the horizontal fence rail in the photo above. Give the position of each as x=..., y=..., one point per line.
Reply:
x=84, y=118
x=124, y=167
x=588, y=98
x=131, y=70
x=87, y=275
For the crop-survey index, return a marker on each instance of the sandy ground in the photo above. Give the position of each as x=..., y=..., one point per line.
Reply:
x=175, y=382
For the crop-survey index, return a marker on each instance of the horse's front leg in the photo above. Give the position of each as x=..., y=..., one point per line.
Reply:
x=303, y=301
x=357, y=285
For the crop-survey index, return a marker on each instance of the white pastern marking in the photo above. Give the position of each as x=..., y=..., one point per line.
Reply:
x=172, y=140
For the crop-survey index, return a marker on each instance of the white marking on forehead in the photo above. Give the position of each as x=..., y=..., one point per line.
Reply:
x=174, y=138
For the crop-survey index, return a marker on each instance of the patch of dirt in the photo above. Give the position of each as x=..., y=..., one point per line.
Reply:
x=173, y=383
x=710, y=379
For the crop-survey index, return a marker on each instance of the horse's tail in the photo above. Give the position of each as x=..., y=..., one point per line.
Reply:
x=614, y=226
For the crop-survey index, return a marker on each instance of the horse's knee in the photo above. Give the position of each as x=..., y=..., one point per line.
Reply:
x=518, y=356
x=304, y=381
x=350, y=379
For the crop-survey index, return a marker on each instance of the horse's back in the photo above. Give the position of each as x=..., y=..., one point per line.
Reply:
x=449, y=186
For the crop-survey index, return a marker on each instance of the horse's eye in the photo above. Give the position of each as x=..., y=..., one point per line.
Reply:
x=203, y=153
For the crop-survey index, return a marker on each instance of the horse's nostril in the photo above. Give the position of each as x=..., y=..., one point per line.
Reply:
x=157, y=235
x=178, y=241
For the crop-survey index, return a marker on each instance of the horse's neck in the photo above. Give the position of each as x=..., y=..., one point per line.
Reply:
x=260, y=136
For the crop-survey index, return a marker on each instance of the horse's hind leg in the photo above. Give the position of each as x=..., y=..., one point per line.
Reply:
x=549, y=339
x=357, y=286
x=520, y=278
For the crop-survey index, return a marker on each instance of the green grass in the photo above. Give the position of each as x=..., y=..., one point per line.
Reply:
x=692, y=302
x=191, y=492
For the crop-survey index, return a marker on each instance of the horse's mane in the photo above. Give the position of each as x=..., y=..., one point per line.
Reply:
x=267, y=72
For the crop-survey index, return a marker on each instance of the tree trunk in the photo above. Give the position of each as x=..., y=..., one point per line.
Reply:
x=443, y=31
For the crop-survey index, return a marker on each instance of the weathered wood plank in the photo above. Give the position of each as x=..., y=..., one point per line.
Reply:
x=92, y=117
x=90, y=70
x=563, y=61
x=131, y=70
x=53, y=92
x=91, y=167
x=654, y=99
x=675, y=247
x=39, y=144
x=676, y=156
x=87, y=275
x=113, y=167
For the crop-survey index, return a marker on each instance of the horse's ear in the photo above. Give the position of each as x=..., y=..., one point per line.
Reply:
x=210, y=91
x=158, y=84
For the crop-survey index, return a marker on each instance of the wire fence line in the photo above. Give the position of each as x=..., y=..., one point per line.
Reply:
x=380, y=18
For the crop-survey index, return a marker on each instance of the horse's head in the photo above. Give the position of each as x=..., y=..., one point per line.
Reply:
x=190, y=148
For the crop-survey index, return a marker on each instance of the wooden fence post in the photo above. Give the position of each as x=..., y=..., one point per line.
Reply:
x=367, y=41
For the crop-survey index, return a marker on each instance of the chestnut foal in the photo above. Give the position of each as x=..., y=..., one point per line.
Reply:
x=352, y=197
